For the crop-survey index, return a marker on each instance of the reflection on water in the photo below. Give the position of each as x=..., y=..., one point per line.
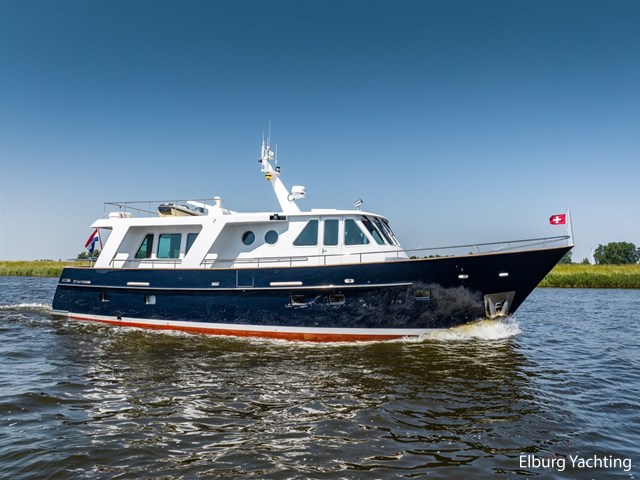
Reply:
x=262, y=408
x=92, y=401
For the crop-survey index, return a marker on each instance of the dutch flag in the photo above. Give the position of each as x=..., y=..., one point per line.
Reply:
x=93, y=239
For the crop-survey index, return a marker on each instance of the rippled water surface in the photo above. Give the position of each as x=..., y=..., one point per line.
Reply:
x=82, y=401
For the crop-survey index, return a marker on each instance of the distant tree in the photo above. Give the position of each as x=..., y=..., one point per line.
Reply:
x=585, y=261
x=85, y=255
x=566, y=259
x=617, y=253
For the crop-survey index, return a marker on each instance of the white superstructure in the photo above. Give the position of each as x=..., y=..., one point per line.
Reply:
x=201, y=235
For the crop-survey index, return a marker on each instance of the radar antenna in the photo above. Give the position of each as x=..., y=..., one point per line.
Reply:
x=272, y=174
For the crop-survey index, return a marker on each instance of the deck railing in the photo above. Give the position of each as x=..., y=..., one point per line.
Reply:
x=149, y=208
x=492, y=247
x=355, y=258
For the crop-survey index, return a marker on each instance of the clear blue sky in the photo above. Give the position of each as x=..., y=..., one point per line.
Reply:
x=461, y=121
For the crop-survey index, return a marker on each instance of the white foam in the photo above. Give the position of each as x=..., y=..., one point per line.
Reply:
x=484, y=329
x=27, y=306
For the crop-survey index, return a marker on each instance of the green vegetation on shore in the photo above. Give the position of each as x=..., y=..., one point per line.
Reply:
x=36, y=268
x=562, y=276
x=593, y=276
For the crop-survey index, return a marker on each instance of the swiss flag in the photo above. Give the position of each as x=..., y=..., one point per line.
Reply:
x=559, y=219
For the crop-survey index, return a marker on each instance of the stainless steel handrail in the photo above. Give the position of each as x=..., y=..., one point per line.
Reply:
x=435, y=252
x=134, y=206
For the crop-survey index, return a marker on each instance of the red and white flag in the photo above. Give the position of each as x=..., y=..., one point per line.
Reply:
x=559, y=219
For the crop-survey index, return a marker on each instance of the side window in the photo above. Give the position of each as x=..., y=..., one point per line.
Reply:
x=373, y=231
x=169, y=245
x=353, y=235
x=331, y=232
x=309, y=235
x=191, y=237
x=146, y=247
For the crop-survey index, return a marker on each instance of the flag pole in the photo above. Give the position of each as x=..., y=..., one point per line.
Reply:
x=570, y=229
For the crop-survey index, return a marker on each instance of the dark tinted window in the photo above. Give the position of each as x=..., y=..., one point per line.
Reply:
x=372, y=230
x=331, y=232
x=169, y=245
x=248, y=238
x=309, y=236
x=271, y=237
x=382, y=229
x=353, y=235
x=191, y=237
x=146, y=247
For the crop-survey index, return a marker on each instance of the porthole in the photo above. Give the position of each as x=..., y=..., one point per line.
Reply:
x=271, y=237
x=248, y=238
x=150, y=299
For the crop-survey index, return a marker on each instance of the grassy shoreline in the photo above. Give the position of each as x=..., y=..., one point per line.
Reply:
x=593, y=276
x=562, y=276
x=36, y=268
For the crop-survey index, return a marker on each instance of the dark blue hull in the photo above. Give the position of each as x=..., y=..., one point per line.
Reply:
x=342, y=302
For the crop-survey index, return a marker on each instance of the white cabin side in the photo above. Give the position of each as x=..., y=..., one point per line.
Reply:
x=248, y=240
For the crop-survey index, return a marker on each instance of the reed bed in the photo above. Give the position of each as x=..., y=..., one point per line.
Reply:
x=36, y=268
x=593, y=276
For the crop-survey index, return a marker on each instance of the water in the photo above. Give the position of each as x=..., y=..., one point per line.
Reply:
x=89, y=401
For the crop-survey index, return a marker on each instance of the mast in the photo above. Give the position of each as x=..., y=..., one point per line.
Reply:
x=286, y=199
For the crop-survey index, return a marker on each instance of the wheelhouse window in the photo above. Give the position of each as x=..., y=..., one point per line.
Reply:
x=309, y=235
x=191, y=237
x=331, y=232
x=146, y=247
x=353, y=235
x=381, y=228
x=390, y=232
x=373, y=231
x=169, y=245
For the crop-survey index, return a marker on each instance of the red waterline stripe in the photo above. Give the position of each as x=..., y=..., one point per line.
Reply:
x=298, y=336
